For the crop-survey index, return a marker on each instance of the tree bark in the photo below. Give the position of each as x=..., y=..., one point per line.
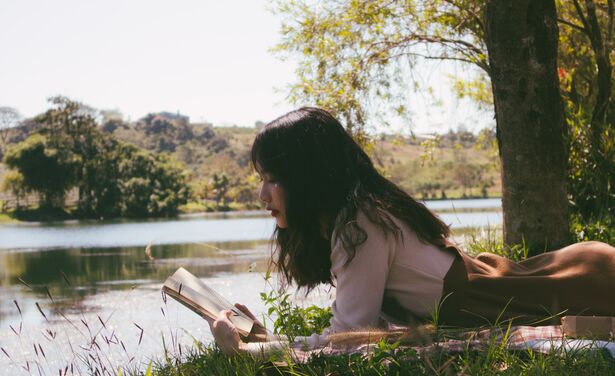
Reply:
x=522, y=40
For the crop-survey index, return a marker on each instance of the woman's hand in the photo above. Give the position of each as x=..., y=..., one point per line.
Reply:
x=258, y=332
x=225, y=333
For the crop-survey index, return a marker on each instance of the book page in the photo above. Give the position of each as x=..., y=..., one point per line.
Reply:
x=194, y=293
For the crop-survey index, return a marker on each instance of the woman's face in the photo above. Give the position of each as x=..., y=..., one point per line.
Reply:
x=272, y=194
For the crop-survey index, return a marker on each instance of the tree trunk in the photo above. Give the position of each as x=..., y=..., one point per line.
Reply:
x=522, y=38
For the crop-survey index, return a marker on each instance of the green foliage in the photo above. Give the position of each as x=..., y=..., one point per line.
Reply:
x=150, y=184
x=356, y=56
x=14, y=183
x=220, y=185
x=478, y=89
x=43, y=167
x=292, y=320
x=586, y=79
x=40, y=214
x=491, y=241
x=591, y=167
x=113, y=179
x=600, y=230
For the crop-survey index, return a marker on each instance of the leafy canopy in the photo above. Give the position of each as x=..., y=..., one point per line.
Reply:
x=356, y=57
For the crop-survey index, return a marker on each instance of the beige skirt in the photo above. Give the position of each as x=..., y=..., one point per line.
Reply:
x=489, y=289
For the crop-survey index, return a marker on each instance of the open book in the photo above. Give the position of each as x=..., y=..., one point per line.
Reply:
x=187, y=289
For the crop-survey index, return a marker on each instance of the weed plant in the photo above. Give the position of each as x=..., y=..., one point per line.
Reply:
x=489, y=240
x=75, y=344
x=292, y=320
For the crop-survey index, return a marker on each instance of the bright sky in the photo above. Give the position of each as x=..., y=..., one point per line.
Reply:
x=207, y=59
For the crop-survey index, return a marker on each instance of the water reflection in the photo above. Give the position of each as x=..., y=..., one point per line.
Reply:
x=88, y=234
x=71, y=275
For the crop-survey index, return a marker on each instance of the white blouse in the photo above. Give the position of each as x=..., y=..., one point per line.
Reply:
x=400, y=267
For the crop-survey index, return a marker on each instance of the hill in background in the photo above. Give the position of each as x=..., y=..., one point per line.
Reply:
x=453, y=165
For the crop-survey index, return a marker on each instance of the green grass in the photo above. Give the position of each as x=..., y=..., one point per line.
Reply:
x=389, y=359
x=7, y=218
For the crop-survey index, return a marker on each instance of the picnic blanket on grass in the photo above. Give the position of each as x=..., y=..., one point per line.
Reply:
x=543, y=339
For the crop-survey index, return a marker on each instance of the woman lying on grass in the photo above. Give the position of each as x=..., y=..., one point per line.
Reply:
x=342, y=223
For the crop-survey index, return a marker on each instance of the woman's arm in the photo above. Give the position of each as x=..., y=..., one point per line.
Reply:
x=361, y=283
x=228, y=339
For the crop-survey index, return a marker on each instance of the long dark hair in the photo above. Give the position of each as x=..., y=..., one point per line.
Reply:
x=327, y=178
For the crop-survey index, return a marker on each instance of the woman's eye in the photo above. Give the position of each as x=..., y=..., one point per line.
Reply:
x=270, y=179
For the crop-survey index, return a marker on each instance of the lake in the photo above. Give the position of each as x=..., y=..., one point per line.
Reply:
x=85, y=292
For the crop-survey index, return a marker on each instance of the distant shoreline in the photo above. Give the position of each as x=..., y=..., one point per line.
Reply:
x=67, y=218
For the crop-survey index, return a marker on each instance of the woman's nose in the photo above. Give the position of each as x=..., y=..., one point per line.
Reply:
x=264, y=195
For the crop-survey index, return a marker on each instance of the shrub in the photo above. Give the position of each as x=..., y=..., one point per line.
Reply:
x=292, y=320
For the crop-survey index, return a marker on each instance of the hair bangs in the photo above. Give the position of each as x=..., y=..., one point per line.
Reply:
x=267, y=154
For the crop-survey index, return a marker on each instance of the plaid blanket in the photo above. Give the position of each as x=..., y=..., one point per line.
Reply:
x=542, y=339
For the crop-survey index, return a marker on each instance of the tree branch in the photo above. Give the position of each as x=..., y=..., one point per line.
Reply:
x=577, y=6
x=474, y=15
x=451, y=58
x=603, y=62
x=595, y=34
x=446, y=41
x=610, y=27
x=459, y=46
x=572, y=25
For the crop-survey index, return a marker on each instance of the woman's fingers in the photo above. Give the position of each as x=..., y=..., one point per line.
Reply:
x=222, y=325
x=223, y=317
x=245, y=310
x=258, y=333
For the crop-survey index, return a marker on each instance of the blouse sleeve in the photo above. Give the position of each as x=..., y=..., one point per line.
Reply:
x=361, y=283
x=281, y=344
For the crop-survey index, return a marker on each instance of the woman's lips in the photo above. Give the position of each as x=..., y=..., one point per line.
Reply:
x=274, y=213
